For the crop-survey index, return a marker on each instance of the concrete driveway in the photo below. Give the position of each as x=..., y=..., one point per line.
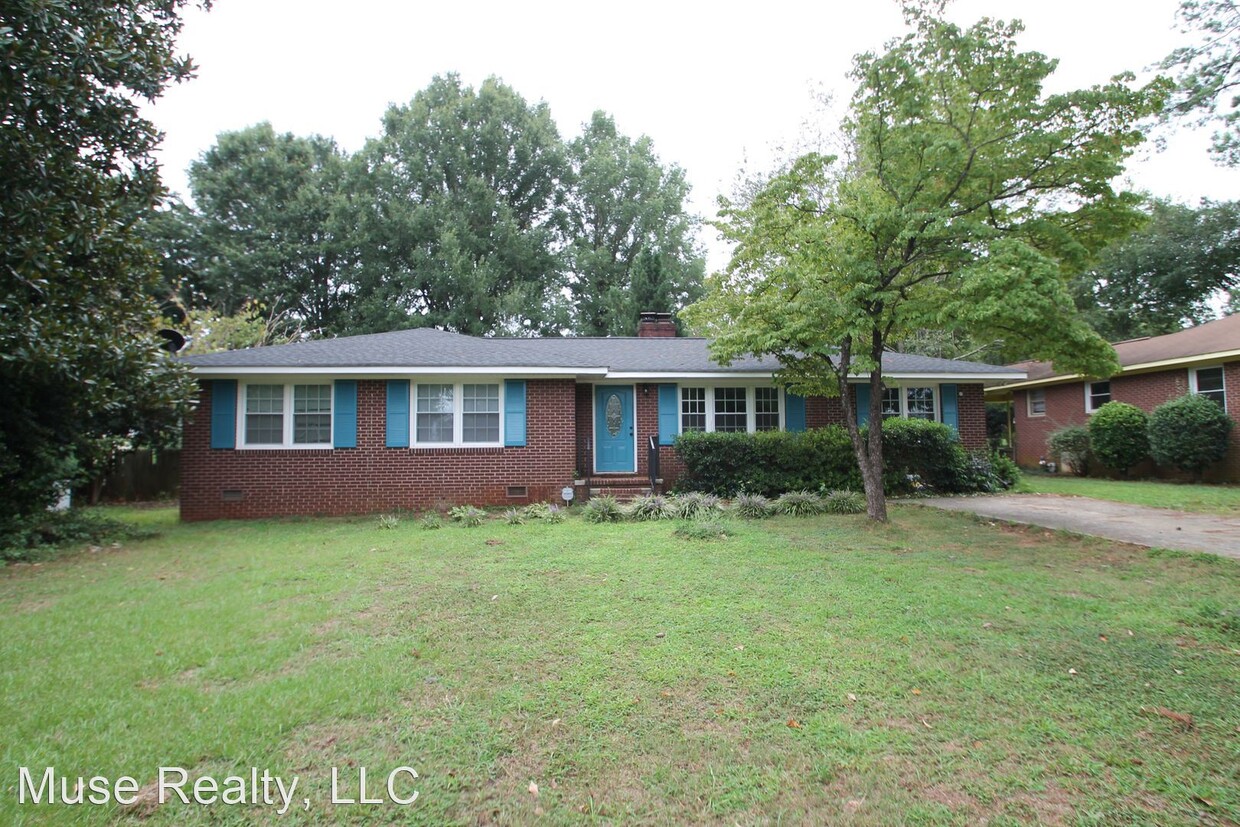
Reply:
x=1153, y=527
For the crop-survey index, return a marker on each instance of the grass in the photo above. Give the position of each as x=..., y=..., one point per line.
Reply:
x=805, y=670
x=1206, y=499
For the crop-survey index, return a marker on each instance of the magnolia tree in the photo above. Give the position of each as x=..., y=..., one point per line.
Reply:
x=968, y=196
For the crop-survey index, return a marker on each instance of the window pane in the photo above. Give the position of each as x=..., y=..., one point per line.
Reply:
x=891, y=402
x=434, y=413
x=312, y=414
x=480, y=417
x=920, y=403
x=693, y=409
x=766, y=409
x=264, y=414
x=1099, y=394
x=1037, y=402
x=1210, y=384
x=731, y=413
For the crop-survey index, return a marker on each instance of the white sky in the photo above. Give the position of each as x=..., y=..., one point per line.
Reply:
x=716, y=86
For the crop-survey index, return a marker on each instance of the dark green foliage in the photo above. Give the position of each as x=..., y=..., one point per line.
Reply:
x=918, y=453
x=799, y=504
x=767, y=463
x=603, y=509
x=35, y=536
x=1118, y=435
x=752, y=506
x=80, y=365
x=1007, y=472
x=706, y=529
x=843, y=502
x=1072, y=444
x=1189, y=433
x=652, y=507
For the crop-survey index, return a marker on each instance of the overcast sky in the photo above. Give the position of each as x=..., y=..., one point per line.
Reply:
x=717, y=86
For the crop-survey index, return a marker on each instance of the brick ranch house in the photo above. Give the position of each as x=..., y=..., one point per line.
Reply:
x=424, y=418
x=1204, y=359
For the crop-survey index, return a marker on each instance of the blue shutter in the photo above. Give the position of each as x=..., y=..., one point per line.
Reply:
x=344, y=414
x=398, y=413
x=224, y=413
x=794, y=412
x=862, y=395
x=950, y=407
x=514, y=413
x=669, y=414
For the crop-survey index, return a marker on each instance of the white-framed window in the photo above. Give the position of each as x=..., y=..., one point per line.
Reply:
x=920, y=403
x=735, y=409
x=1097, y=394
x=277, y=415
x=908, y=401
x=1035, y=401
x=891, y=402
x=457, y=413
x=1209, y=382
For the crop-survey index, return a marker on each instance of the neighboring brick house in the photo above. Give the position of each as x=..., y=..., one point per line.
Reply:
x=1203, y=359
x=425, y=418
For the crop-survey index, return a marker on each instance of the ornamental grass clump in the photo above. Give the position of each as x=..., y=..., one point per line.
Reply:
x=431, y=521
x=388, y=522
x=514, y=516
x=752, y=507
x=651, y=507
x=843, y=502
x=696, y=505
x=603, y=509
x=799, y=504
x=467, y=515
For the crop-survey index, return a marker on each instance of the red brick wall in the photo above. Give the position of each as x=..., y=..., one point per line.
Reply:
x=1065, y=405
x=373, y=478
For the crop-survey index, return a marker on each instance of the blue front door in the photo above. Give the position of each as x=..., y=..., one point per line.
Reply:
x=613, y=429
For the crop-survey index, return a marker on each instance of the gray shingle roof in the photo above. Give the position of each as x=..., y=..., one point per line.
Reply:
x=432, y=348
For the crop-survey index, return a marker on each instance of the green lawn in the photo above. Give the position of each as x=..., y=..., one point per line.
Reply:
x=1208, y=499
x=934, y=671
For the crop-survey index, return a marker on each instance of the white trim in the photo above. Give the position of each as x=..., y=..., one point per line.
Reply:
x=508, y=371
x=286, y=417
x=1192, y=379
x=1089, y=395
x=594, y=427
x=1204, y=359
x=751, y=404
x=723, y=377
x=1029, y=403
x=458, y=414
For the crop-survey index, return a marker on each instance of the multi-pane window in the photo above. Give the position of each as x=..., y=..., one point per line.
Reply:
x=1037, y=402
x=766, y=409
x=264, y=414
x=1208, y=382
x=891, y=403
x=1097, y=394
x=731, y=410
x=693, y=409
x=312, y=414
x=434, y=413
x=920, y=403
x=480, y=413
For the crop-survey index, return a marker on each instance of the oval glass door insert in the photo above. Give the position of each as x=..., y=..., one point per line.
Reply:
x=611, y=413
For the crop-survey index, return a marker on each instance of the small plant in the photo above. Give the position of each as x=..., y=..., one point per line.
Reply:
x=387, y=522
x=1189, y=433
x=708, y=529
x=651, y=507
x=1071, y=445
x=843, y=502
x=1118, y=435
x=467, y=515
x=514, y=516
x=603, y=509
x=695, y=505
x=538, y=511
x=555, y=515
x=799, y=503
x=752, y=506
x=431, y=521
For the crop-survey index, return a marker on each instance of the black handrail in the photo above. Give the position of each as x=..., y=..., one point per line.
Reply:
x=652, y=462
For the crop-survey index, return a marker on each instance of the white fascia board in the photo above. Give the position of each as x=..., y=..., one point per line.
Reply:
x=768, y=375
x=672, y=377
x=362, y=372
x=952, y=377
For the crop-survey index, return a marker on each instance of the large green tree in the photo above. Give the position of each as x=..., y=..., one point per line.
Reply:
x=970, y=195
x=1208, y=79
x=79, y=359
x=267, y=226
x=1165, y=274
x=458, y=203
x=631, y=243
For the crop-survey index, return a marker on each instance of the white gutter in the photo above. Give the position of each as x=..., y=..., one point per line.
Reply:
x=1140, y=367
x=327, y=370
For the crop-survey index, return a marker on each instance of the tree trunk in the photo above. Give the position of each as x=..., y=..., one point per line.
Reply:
x=869, y=451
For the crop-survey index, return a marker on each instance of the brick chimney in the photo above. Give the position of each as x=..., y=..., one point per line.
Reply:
x=656, y=326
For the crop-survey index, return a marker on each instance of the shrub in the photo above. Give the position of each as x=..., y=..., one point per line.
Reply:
x=1189, y=433
x=538, y=511
x=1072, y=444
x=710, y=529
x=919, y=451
x=695, y=505
x=799, y=503
x=431, y=521
x=603, y=509
x=388, y=521
x=514, y=516
x=752, y=506
x=30, y=537
x=467, y=515
x=767, y=463
x=1118, y=435
x=652, y=507
x=1005, y=469
x=843, y=502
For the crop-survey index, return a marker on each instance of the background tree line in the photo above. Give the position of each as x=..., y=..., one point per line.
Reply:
x=468, y=212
